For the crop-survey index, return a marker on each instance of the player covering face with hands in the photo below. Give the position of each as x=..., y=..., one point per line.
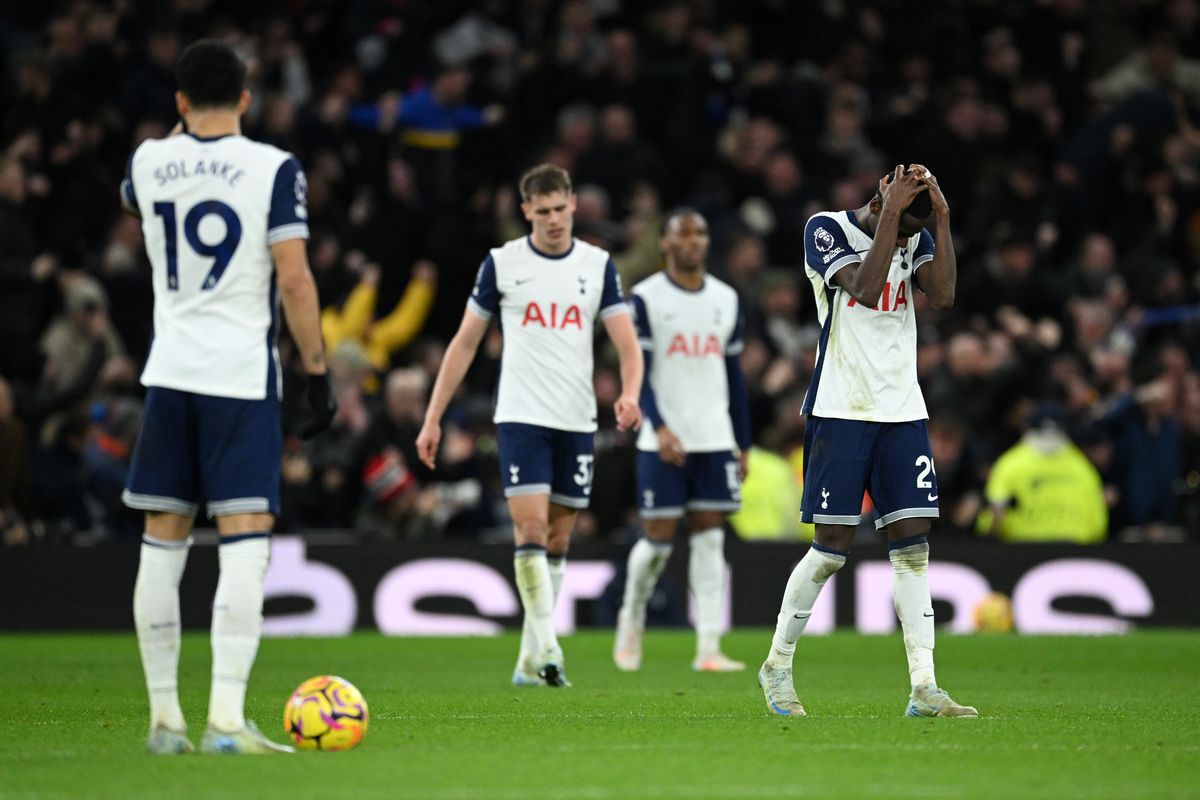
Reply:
x=866, y=418
x=548, y=289
x=692, y=454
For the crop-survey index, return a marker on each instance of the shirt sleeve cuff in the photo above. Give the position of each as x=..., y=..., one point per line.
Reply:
x=479, y=310
x=614, y=310
x=294, y=230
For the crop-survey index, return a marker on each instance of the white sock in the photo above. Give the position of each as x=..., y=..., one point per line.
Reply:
x=156, y=617
x=527, y=658
x=706, y=578
x=803, y=588
x=910, y=593
x=536, y=587
x=236, y=625
x=646, y=562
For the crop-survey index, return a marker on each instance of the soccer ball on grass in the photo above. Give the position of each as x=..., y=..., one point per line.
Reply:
x=325, y=713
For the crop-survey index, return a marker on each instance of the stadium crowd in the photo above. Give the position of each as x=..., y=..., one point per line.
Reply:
x=1064, y=134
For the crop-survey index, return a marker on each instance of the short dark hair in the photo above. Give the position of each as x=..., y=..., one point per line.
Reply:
x=544, y=179
x=921, y=205
x=210, y=74
x=677, y=213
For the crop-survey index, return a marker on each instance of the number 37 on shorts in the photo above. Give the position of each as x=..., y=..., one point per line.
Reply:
x=539, y=460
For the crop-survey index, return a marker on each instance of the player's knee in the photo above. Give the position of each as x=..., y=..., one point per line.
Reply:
x=705, y=520
x=532, y=530
x=835, y=537
x=908, y=528
x=660, y=530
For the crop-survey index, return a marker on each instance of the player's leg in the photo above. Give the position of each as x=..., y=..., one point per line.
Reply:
x=835, y=473
x=165, y=546
x=706, y=580
x=562, y=523
x=535, y=583
x=662, y=489
x=240, y=444
x=904, y=488
x=162, y=483
x=714, y=490
x=526, y=463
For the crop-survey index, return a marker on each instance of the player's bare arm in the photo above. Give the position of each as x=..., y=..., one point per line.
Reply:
x=620, y=329
x=298, y=294
x=864, y=281
x=459, y=355
x=938, y=277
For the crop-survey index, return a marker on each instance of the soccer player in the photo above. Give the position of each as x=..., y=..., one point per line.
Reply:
x=548, y=289
x=866, y=417
x=225, y=223
x=692, y=455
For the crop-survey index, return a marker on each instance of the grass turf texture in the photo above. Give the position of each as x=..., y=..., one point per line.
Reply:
x=1061, y=718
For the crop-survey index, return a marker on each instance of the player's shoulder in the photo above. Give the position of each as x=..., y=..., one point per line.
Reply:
x=830, y=221
x=269, y=154
x=513, y=248
x=590, y=253
x=720, y=288
x=651, y=284
x=148, y=148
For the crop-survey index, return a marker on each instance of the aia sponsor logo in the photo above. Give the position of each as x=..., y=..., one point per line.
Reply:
x=553, y=317
x=887, y=300
x=694, y=346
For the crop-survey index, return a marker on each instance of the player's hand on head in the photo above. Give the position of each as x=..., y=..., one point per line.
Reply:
x=322, y=407
x=940, y=205
x=628, y=414
x=670, y=449
x=900, y=187
x=428, y=440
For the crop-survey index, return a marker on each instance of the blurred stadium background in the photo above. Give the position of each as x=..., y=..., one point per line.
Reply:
x=1063, y=132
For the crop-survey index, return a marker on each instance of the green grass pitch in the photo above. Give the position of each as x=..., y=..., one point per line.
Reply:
x=1061, y=718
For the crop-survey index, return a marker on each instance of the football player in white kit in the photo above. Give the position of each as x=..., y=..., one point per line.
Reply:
x=225, y=223
x=548, y=290
x=692, y=454
x=867, y=420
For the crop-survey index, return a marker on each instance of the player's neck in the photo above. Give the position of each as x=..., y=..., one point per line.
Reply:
x=866, y=219
x=692, y=280
x=551, y=249
x=212, y=123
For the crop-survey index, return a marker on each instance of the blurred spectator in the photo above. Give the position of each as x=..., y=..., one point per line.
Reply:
x=16, y=474
x=66, y=343
x=381, y=338
x=1147, y=457
x=770, y=498
x=1043, y=489
x=106, y=459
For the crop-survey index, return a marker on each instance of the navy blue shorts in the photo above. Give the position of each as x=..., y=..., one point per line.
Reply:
x=705, y=482
x=196, y=448
x=537, y=460
x=891, y=460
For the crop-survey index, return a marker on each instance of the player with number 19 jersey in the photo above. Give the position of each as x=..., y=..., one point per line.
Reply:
x=211, y=209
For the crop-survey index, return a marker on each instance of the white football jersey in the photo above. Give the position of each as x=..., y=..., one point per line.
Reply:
x=866, y=357
x=548, y=307
x=688, y=334
x=211, y=209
